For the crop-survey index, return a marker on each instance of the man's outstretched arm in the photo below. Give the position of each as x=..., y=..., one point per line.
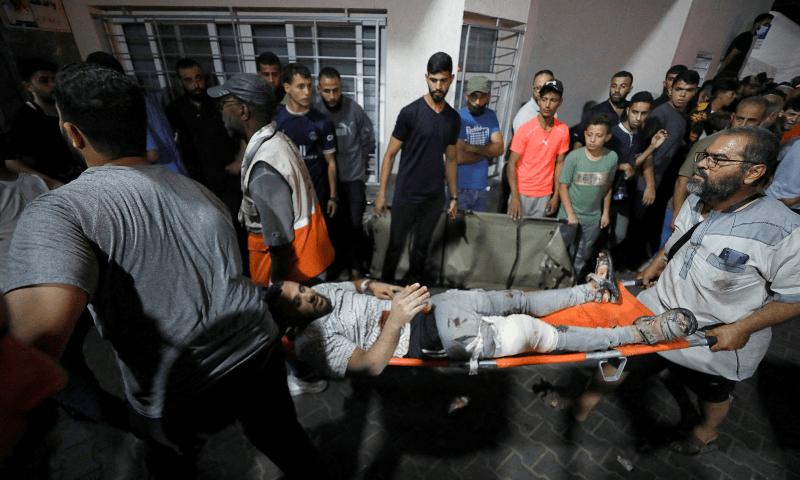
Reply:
x=43, y=316
x=405, y=305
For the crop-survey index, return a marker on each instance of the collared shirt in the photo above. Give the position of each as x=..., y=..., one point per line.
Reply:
x=355, y=322
x=733, y=265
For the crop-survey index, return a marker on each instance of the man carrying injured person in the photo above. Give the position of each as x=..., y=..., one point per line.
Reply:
x=357, y=327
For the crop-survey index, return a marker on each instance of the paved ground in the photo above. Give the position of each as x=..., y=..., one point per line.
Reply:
x=397, y=426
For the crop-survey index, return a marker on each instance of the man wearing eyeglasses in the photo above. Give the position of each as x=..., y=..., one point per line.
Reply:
x=287, y=236
x=733, y=264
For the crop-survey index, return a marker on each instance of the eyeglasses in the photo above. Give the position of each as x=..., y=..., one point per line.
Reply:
x=712, y=160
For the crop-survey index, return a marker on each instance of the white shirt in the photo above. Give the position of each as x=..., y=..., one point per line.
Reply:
x=14, y=197
x=720, y=291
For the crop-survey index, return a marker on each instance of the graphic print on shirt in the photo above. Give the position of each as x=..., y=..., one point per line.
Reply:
x=591, y=179
x=478, y=134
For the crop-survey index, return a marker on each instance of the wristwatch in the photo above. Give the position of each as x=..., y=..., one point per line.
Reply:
x=453, y=198
x=335, y=199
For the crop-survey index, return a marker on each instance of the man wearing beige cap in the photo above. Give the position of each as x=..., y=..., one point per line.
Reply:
x=287, y=239
x=478, y=141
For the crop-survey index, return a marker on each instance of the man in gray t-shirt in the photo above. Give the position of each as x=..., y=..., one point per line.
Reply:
x=154, y=256
x=355, y=139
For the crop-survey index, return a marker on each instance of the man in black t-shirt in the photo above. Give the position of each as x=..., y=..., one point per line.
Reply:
x=425, y=130
x=34, y=141
x=207, y=150
x=737, y=52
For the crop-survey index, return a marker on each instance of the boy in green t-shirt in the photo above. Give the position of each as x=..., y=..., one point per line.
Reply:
x=585, y=190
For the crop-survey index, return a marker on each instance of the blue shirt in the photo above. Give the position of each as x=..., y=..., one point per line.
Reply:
x=161, y=137
x=312, y=134
x=476, y=131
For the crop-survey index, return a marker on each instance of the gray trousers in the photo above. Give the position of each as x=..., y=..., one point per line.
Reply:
x=458, y=317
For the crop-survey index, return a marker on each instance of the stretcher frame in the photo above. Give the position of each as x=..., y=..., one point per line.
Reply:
x=629, y=310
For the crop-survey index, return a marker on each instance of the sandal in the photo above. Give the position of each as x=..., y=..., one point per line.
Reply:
x=552, y=396
x=605, y=278
x=691, y=445
x=675, y=323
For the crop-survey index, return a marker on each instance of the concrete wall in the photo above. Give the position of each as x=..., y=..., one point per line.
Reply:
x=712, y=25
x=778, y=54
x=584, y=42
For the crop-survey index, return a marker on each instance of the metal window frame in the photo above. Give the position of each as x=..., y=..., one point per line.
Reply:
x=505, y=117
x=113, y=18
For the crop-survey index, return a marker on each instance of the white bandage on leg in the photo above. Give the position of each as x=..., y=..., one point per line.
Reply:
x=519, y=333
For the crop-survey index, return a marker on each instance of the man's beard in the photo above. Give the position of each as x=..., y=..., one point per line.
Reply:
x=336, y=107
x=76, y=154
x=198, y=95
x=618, y=102
x=716, y=192
x=437, y=95
x=476, y=111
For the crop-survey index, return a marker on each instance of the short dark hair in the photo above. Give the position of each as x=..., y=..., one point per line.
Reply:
x=793, y=104
x=600, y=119
x=440, y=62
x=293, y=69
x=643, y=96
x=105, y=59
x=761, y=149
x=272, y=297
x=329, y=72
x=268, y=59
x=623, y=74
x=719, y=120
x=28, y=67
x=106, y=106
x=775, y=91
x=689, y=77
x=543, y=72
x=723, y=84
x=675, y=69
x=762, y=17
x=184, y=63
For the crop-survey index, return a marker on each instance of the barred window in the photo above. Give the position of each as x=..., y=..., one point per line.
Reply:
x=149, y=42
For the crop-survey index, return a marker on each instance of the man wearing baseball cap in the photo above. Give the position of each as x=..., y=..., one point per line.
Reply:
x=287, y=237
x=537, y=154
x=479, y=140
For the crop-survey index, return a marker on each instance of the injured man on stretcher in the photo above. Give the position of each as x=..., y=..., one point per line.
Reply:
x=357, y=327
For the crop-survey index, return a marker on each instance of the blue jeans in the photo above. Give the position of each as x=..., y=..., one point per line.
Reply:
x=469, y=199
x=579, y=242
x=458, y=317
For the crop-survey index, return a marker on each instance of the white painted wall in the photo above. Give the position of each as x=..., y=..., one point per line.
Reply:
x=516, y=10
x=712, y=25
x=584, y=42
x=416, y=29
x=779, y=51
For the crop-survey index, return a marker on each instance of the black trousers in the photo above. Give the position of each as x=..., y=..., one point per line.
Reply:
x=256, y=396
x=418, y=219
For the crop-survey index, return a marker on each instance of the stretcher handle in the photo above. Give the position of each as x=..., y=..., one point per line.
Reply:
x=633, y=283
x=711, y=341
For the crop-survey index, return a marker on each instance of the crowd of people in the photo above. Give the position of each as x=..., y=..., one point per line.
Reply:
x=195, y=236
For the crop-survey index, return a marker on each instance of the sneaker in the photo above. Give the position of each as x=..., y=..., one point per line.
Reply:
x=605, y=279
x=675, y=323
x=299, y=387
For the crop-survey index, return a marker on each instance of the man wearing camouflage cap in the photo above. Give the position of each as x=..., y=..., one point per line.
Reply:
x=287, y=236
x=478, y=140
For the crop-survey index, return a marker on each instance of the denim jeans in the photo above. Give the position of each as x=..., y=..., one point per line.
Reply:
x=579, y=242
x=458, y=317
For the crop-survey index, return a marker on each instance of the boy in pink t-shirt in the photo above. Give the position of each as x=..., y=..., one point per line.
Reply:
x=537, y=154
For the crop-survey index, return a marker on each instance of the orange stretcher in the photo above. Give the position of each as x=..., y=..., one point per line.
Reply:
x=592, y=315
